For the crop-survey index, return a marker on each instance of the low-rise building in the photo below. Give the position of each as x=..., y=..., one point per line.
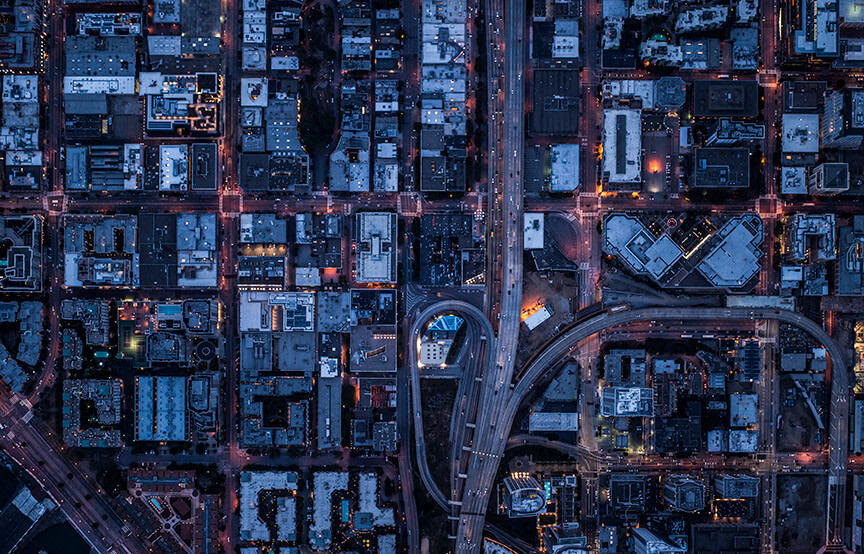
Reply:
x=326, y=485
x=726, y=98
x=110, y=168
x=523, y=496
x=436, y=343
x=622, y=146
x=172, y=102
x=729, y=132
x=178, y=250
x=19, y=132
x=373, y=331
x=91, y=413
x=565, y=171
x=742, y=410
x=532, y=231
x=627, y=402
x=255, y=525
x=730, y=258
x=553, y=422
x=800, y=133
x=160, y=409
x=449, y=244
x=723, y=168
x=101, y=250
x=736, y=486
x=276, y=311
x=646, y=541
x=21, y=250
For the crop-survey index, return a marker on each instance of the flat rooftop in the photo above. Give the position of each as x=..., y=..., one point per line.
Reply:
x=622, y=145
x=800, y=133
x=722, y=168
x=160, y=404
x=737, y=257
x=628, y=238
x=726, y=97
x=376, y=247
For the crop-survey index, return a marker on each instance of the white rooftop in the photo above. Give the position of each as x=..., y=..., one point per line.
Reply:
x=533, y=231
x=736, y=259
x=325, y=484
x=741, y=440
x=627, y=237
x=742, y=410
x=252, y=484
x=565, y=167
x=368, y=501
x=793, y=180
x=376, y=249
x=800, y=133
x=622, y=145
x=553, y=421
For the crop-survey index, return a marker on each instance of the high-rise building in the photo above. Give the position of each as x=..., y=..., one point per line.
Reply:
x=564, y=539
x=683, y=493
x=843, y=119
x=829, y=178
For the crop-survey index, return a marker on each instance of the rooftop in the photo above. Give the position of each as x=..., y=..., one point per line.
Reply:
x=160, y=404
x=737, y=257
x=800, y=133
x=253, y=484
x=722, y=168
x=263, y=229
x=376, y=248
x=627, y=402
x=622, y=145
x=326, y=483
x=726, y=98
x=565, y=173
x=742, y=410
x=811, y=236
x=627, y=237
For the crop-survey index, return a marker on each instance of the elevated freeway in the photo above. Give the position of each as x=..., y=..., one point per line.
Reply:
x=505, y=20
x=473, y=316
x=503, y=402
x=839, y=411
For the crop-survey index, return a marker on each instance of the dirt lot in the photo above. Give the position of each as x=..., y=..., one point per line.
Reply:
x=438, y=397
x=801, y=513
x=556, y=296
x=798, y=431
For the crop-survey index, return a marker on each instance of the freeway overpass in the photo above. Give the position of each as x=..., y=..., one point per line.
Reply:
x=473, y=316
x=487, y=453
x=505, y=21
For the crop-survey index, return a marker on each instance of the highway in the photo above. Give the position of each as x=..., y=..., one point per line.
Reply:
x=473, y=316
x=465, y=409
x=506, y=32
x=488, y=449
x=838, y=433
